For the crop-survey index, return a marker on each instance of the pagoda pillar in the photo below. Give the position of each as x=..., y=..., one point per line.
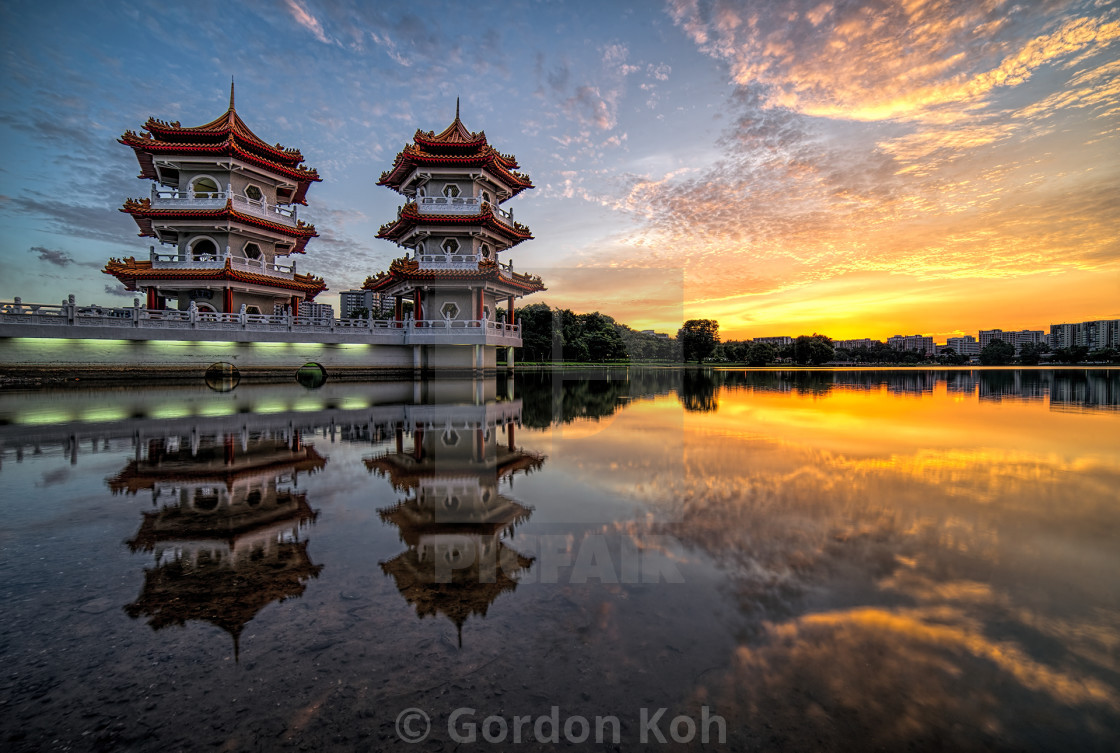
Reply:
x=509, y=311
x=399, y=436
x=152, y=302
x=417, y=307
x=418, y=443
x=228, y=304
x=509, y=436
x=295, y=305
x=398, y=309
x=479, y=297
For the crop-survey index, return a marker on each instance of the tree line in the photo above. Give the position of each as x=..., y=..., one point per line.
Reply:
x=560, y=334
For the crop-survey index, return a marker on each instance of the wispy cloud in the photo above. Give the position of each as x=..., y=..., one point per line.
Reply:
x=304, y=18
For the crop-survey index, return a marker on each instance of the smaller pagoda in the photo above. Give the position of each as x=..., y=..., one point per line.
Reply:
x=229, y=530
x=455, y=231
x=222, y=206
x=454, y=521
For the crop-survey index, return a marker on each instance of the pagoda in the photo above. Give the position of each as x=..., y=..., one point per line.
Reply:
x=223, y=201
x=229, y=529
x=454, y=520
x=455, y=231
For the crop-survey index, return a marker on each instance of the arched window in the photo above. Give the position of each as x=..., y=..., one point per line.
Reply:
x=451, y=190
x=205, y=187
x=450, y=246
x=203, y=247
x=252, y=251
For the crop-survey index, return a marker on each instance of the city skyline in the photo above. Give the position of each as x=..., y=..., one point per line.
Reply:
x=856, y=170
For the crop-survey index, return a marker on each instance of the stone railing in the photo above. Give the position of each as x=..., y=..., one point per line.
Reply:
x=172, y=198
x=461, y=205
x=19, y=319
x=448, y=261
x=216, y=261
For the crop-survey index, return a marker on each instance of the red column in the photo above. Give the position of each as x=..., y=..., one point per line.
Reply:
x=418, y=443
x=229, y=300
x=152, y=298
x=509, y=311
x=417, y=307
x=400, y=440
x=398, y=314
x=295, y=305
x=509, y=431
x=229, y=449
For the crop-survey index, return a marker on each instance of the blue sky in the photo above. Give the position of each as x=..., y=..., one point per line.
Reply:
x=857, y=168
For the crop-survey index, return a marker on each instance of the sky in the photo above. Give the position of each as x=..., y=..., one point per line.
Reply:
x=858, y=169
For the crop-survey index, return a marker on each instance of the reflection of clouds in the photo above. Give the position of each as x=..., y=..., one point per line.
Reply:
x=928, y=677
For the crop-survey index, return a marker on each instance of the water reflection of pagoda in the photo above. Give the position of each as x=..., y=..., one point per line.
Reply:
x=453, y=519
x=228, y=531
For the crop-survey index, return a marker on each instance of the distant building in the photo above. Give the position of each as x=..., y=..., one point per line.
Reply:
x=919, y=343
x=651, y=333
x=965, y=346
x=1094, y=335
x=377, y=304
x=777, y=342
x=853, y=344
x=1015, y=339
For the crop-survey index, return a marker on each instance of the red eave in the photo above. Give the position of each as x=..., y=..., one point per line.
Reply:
x=410, y=217
x=129, y=271
x=402, y=270
x=142, y=212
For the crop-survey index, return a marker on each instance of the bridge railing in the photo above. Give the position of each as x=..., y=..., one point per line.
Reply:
x=34, y=315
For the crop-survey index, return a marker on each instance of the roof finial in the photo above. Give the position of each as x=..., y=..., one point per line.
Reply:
x=231, y=92
x=456, y=108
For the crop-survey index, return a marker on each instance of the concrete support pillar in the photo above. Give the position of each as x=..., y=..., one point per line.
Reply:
x=509, y=358
x=417, y=357
x=418, y=443
x=399, y=436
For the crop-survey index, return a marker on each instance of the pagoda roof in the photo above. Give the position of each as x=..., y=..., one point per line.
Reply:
x=405, y=472
x=408, y=270
x=142, y=211
x=227, y=135
x=454, y=146
x=226, y=597
x=410, y=217
x=467, y=594
x=139, y=475
x=130, y=271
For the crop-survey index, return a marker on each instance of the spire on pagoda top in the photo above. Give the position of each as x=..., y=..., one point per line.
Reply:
x=455, y=146
x=226, y=135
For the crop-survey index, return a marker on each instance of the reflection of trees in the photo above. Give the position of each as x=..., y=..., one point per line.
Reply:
x=698, y=390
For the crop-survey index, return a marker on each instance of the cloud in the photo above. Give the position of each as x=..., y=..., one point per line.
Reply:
x=882, y=61
x=59, y=258
x=119, y=290
x=305, y=19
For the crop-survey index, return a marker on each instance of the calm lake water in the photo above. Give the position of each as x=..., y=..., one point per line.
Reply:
x=823, y=560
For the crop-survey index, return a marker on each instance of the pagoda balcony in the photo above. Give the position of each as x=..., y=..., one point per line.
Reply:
x=218, y=261
x=461, y=205
x=448, y=261
x=171, y=198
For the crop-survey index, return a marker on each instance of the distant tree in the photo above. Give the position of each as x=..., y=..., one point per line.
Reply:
x=536, y=332
x=362, y=313
x=1031, y=353
x=760, y=354
x=812, y=349
x=698, y=338
x=997, y=353
x=950, y=357
x=1076, y=354
x=1105, y=355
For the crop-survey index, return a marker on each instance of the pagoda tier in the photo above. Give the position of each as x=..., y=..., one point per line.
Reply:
x=405, y=273
x=136, y=274
x=162, y=146
x=226, y=219
x=411, y=220
x=457, y=149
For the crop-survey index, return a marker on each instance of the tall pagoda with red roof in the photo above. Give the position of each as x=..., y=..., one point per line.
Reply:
x=223, y=201
x=454, y=230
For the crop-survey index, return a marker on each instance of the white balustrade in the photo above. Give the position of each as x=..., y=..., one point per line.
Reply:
x=173, y=198
x=218, y=261
x=448, y=261
x=29, y=317
x=461, y=205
